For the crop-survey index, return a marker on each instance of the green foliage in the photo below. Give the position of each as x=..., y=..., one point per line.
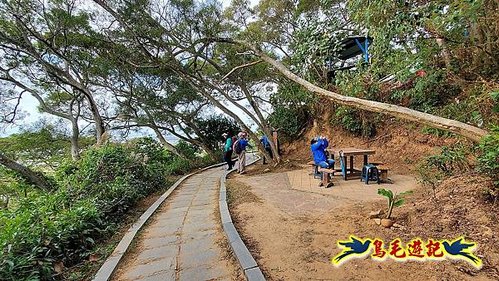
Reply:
x=45, y=229
x=212, y=127
x=291, y=110
x=187, y=150
x=428, y=92
x=394, y=200
x=38, y=147
x=93, y=195
x=352, y=121
x=451, y=160
x=488, y=160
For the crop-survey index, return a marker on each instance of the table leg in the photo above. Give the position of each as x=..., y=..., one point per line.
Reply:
x=351, y=165
x=365, y=159
x=345, y=167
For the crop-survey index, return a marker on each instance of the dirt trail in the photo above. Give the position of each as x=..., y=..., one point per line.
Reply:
x=293, y=233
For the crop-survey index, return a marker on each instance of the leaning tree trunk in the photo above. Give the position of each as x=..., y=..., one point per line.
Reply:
x=468, y=131
x=28, y=174
x=75, y=147
x=168, y=146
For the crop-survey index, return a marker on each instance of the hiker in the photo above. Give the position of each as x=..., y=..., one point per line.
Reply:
x=318, y=146
x=228, y=150
x=239, y=148
x=266, y=144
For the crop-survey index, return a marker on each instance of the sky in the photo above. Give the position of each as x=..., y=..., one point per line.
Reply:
x=31, y=115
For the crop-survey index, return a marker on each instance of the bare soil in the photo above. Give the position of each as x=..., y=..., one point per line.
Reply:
x=297, y=245
x=397, y=144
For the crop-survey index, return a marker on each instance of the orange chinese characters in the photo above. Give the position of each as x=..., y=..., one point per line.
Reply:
x=379, y=251
x=396, y=250
x=433, y=249
x=415, y=249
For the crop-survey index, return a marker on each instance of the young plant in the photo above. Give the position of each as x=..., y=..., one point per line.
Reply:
x=394, y=200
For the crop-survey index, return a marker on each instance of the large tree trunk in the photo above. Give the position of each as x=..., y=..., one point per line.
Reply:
x=468, y=131
x=75, y=147
x=264, y=126
x=163, y=141
x=28, y=174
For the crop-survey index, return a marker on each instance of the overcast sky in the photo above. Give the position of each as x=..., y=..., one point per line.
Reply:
x=28, y=105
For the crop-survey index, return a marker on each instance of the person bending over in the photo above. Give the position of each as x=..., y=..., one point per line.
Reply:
x=318, y=146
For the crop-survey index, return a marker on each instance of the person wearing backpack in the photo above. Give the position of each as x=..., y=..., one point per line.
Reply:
x=228, y=150
x=240, y=149
x=266, y=144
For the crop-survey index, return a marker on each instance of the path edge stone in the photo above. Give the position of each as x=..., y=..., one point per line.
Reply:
x=251, y=270
x=107, y=269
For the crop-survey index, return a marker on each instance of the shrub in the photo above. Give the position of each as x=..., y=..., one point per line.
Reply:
x=116, y=176
x=291, y=105
x=186, y=149
x=45, y=229
x=352, y=121
x=488, y=159
x=290, y=121
x=433, y=169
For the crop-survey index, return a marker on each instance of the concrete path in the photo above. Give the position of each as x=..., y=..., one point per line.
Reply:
x=182, y=241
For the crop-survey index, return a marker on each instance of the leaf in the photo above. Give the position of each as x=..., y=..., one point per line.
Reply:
x=386, y=192
x=398, y=203
x=405, y=193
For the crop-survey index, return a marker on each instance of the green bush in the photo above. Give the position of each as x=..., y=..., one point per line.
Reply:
x=290, y=121
x=291, y=105
x=488, y=160
x=117, y=175
x=186, y=149
x=43, y=230
x=451, y=160
x=93, y=195
x=352, y=121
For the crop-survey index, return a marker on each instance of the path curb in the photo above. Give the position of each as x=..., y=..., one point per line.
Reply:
x=243, y=255
x=109, y=266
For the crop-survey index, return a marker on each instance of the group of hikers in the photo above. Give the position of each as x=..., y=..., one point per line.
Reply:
x=237, y=144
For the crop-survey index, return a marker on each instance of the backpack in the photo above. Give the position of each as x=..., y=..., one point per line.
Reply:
x=237, y=147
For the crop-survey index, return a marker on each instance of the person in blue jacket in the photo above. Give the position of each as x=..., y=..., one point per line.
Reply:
x=240, y=149
x=266, y=144
x=318, y=146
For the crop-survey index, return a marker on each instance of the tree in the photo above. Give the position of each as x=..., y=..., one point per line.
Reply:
x=31, y=176
x=460, y=128
x=50, y=45
x=178, y=44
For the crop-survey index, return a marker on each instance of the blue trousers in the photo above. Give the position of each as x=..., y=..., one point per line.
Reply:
x=328, y=164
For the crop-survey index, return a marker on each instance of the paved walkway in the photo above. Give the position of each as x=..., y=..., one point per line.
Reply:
x=296, y=192
x=180, y=242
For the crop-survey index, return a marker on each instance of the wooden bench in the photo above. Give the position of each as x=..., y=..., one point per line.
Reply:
x=327, y=176
x=383, y=173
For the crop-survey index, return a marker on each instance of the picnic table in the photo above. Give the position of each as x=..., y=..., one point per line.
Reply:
x=350, y=153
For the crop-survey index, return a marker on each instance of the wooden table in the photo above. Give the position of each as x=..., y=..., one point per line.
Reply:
x=350, y=152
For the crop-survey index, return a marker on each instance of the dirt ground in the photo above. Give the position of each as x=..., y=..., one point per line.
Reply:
x=295, y=240
x=397, y=144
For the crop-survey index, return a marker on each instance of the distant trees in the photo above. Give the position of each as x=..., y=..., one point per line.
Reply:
x=121, y=65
